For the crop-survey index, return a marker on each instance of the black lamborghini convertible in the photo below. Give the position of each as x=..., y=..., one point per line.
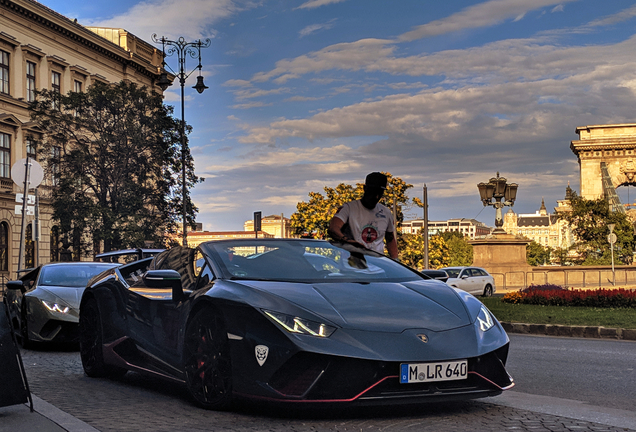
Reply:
x=291, y=320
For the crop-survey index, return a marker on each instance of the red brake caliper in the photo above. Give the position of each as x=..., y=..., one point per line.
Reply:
x=200, y=361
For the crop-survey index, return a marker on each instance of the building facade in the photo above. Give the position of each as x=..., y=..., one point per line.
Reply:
x=276, y=225
x=468, y=227
x=546, y=229
x=41, y=49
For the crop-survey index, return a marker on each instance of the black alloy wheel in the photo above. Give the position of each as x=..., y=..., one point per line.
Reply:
x=207, y=363
x=91, y=352
x=488, y=290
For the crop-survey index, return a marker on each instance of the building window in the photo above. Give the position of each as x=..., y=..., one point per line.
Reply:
x=29, y=247
x=78, y=86
x=30, y=81
x=4, y=247
x=56, y=153
x=4, y=72
x=5, y=155
x=30, y=149
x=56, y=78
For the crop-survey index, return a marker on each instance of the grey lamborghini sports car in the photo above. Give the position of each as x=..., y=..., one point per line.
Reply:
x=293, y=321
x=44, y=302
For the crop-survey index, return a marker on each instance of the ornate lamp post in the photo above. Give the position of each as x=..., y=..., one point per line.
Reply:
x=182, y=48
x=493, y=192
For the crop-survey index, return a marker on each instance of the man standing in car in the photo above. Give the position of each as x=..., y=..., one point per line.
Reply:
x=365, y=221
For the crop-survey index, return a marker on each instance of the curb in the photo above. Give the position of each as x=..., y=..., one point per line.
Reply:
x=571, y=331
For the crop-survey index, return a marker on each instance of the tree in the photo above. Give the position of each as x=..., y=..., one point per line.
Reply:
x=312, y=218
x=589, y=221
x=114, y=154
x=459, y=250
x=537, y=255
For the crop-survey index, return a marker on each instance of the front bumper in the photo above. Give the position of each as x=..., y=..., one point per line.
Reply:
x=317, y=378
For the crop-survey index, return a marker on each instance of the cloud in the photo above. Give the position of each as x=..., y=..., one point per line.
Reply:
x=481, y=15
x=316, y=27
x=557, y=8
x=174, y=18
x=624, y=15
x=312, y=4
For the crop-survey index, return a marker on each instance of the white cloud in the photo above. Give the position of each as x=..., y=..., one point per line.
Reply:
x=316, y=27
x=481, y=15
x=173, y=18
x=312, y=4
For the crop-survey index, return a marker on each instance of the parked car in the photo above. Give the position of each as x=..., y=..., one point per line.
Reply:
x=44, y=302
x=124, y=256
x=291, y=321
x=440, y=275
x=474, y=280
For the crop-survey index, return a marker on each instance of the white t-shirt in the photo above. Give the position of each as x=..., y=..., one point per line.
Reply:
x=367, y=226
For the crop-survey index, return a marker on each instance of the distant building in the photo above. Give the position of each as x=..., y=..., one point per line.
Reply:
x=468, y=227
x=546, y=229
x=195, y=238
x=276, y=225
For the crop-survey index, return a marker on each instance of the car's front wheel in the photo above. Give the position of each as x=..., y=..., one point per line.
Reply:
x=207, y=363
x=91, y=350
x=488, y=290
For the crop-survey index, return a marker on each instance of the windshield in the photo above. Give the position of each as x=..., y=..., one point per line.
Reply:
x=75, y=276
x=304, y=261
x=453, y=273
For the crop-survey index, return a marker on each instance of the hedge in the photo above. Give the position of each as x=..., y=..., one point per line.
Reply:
x=554, y=295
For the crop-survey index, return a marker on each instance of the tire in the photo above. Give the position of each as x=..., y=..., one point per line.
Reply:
x=91, y=346
x=488, y=290
x=207, y=364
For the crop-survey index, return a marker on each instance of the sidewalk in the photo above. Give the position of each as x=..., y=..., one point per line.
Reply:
x=44, y=418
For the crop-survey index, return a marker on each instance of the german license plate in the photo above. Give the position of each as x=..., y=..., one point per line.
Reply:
x=430, y=372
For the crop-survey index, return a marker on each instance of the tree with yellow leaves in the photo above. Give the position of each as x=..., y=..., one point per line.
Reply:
x=312, y=218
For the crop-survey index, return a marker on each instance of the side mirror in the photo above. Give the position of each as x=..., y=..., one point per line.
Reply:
x=165, y=279
x=464, y=276
x=16, y=285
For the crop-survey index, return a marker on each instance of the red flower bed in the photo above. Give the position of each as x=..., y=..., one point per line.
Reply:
x=605, y=298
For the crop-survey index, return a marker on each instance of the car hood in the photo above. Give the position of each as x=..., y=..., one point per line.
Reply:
x=378, y=306
x=71, y=296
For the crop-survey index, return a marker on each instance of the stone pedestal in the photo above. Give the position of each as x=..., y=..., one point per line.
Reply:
x=503, y=256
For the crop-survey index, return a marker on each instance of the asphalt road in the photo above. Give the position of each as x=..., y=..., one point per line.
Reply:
x=551, y=376
x=595, y=371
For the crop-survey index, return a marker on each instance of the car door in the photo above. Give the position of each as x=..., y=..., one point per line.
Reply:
x=468, y=280
x=155, y=318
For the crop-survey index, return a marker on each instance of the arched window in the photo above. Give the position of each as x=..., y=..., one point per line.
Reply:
x=55, y=244
x=29, y=247
x=4, y=247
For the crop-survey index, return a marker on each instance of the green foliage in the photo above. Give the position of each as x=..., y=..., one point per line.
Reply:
x=537, y=255
x=460, y=252
x=116, y=152
x=588, y=221
x=312, y=218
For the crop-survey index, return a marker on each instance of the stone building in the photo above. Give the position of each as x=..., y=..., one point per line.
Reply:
x=545, y=229
x=468, y=227
x=276, y=225
x=39, y=48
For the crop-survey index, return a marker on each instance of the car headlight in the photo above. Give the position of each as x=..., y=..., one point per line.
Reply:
x=56, y=307
x=485, y=320
x=299, y=325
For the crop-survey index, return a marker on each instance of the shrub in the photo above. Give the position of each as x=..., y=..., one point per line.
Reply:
x=544, y=287
x=603, y=298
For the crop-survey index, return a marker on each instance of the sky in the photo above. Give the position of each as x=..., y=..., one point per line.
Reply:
x=305, y=94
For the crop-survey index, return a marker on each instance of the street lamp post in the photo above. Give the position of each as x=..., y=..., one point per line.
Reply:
x=182, y=49
x=493, y=192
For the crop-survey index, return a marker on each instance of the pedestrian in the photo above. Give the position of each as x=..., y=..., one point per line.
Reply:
x=366, y=222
